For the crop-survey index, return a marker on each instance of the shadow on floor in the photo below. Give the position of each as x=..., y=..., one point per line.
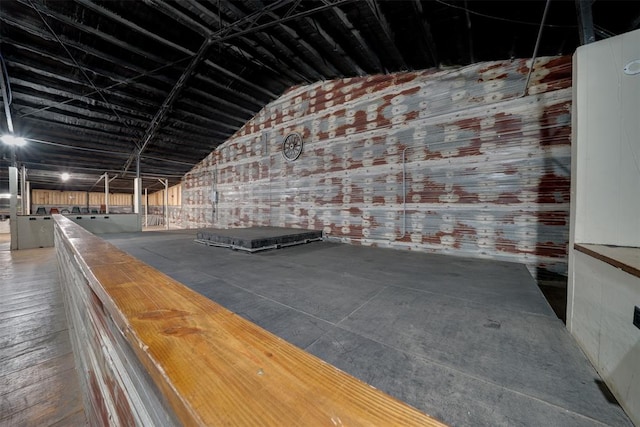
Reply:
x=557, y=298
x=554, y=289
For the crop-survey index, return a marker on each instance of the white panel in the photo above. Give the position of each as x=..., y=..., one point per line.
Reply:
x=34, y=232
x=608, y=143
x=629, y=178
x=13, y=206
x=137, y=188
x=604, y=299
x=587, y=310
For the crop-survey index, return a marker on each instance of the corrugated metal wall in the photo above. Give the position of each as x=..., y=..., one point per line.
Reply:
x=453, y=161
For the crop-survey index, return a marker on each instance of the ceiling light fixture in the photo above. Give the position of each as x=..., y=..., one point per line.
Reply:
x=65, y=176
x=9, y=139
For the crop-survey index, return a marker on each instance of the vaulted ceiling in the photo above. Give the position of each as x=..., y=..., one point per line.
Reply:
x=93, y=84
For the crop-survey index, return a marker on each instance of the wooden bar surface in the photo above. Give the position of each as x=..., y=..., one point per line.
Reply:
x=213, y=366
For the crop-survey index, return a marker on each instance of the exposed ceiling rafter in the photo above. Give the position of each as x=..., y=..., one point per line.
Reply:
x=133, y=53
x=166, y=105
x=366, y=51
x=387, y=35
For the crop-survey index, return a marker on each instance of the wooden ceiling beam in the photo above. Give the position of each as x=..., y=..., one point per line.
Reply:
x=181, y=17
x=387, y=35
x=136, y=70
x=53, y=117
x=333, y=46
x=96, y=32
x=24, y=101
x=162, y=112
x=367, y=53
x=426, y=34
x=131, y=114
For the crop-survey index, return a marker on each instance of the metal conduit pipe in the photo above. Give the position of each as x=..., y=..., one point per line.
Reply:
x=535, y=49
x=404, y=187
x=404, y=193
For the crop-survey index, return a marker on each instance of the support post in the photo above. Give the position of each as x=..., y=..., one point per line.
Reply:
x=23, y=191
x=137, y=188
x=106, y=193
x=165, y=201
x=146, y=207
x=13, y=206
x=585, y=21
x=137, y=185
x=28, y=198
x=136, y=195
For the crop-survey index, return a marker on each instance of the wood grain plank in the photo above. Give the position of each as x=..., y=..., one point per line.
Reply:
x=48, y=402
x=74, y=419
x=213, y=366
x=7, y=325
x=26, y=329
x=27, y=298
x=23, y=354
x=625, y=258
x=38, y=379
x=36, y=310
x=37, y=373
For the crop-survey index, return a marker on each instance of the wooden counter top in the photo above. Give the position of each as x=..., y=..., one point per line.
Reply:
x=213, y=366
x=623, y=257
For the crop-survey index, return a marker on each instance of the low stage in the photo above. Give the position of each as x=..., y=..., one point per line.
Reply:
x=255, y=239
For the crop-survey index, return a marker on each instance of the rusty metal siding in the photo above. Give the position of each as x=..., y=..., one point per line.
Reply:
x=453, y=161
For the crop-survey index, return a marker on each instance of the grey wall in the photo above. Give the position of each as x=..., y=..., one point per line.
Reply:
x=36, y=231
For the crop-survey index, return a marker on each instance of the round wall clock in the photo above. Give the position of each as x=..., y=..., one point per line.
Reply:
x=292, y=146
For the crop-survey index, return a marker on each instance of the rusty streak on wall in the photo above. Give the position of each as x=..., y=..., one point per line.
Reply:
x=449, y=161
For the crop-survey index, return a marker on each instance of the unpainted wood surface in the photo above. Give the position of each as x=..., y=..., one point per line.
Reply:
x=38, y=381
x=76, y=198
x=623, y=257
x=216, y=368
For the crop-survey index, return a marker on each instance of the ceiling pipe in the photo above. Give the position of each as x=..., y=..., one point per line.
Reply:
x=6, y=100
x=535, y=49
x=585, y=21
x=4, y=85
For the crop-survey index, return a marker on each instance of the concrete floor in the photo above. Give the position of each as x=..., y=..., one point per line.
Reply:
x=471, y=342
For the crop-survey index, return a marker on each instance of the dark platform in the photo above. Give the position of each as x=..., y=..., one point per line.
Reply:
x=255, y=239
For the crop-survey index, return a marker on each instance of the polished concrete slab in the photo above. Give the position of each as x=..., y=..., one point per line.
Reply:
x=469, y=341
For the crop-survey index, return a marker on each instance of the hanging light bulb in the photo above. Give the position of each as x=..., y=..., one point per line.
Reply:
x=9, y=139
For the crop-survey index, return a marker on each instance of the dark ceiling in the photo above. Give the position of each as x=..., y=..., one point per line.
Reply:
x=92, y=82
